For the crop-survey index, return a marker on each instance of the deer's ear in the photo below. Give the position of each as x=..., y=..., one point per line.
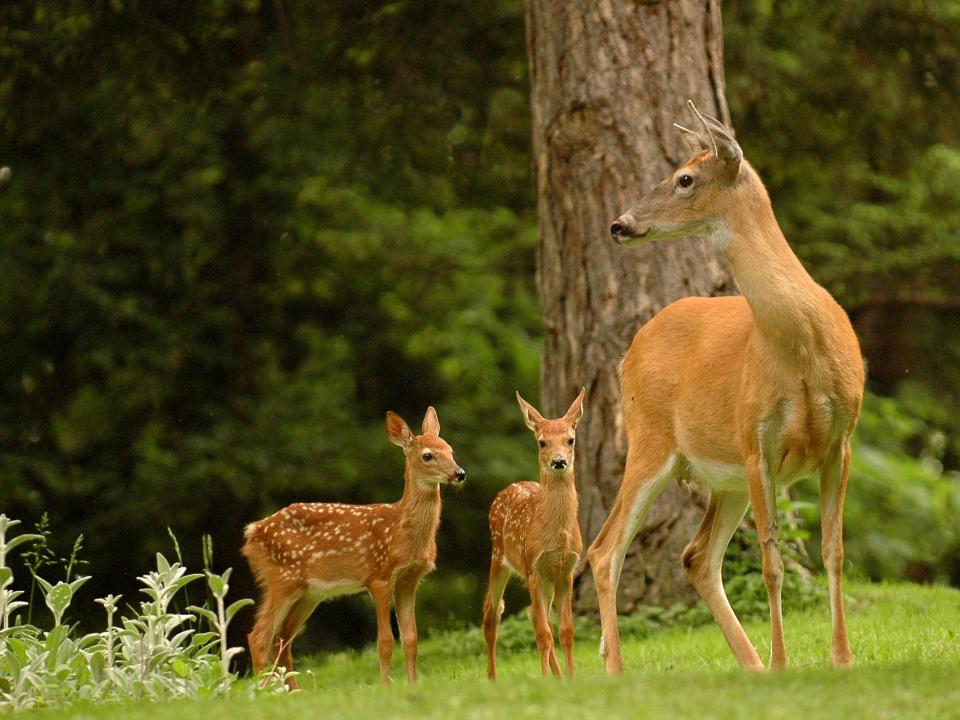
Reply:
x=728, y=149
x=575, y=411
x=530, y=415
x=431, y=423
x=725, y=148
x=398, y=431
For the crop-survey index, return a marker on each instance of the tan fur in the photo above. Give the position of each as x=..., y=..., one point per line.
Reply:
x=535, y=534
x=741, y=394
x=311, y=552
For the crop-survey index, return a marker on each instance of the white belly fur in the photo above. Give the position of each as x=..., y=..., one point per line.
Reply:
x=320, y=590
x=718, y=476
x=726, y=477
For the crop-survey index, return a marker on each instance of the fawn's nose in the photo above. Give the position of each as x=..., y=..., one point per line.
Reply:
x=460, y=474
x=558, y=462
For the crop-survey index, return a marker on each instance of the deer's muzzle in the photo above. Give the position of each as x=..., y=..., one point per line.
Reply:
x=626, y=227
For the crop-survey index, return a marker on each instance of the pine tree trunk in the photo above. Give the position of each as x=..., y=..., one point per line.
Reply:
x=608, y=78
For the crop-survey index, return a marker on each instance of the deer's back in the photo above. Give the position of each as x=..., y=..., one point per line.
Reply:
x=306, y=541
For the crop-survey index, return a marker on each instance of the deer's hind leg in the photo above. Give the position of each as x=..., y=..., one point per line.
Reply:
x=646, y=475
x=493, y=610
x=703, y=562
x=270, y=640
x=763, y=500
x=833, y=488
x=292, y=626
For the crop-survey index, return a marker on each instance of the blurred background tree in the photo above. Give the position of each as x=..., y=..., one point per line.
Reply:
x=603, y=135
x=237, y=232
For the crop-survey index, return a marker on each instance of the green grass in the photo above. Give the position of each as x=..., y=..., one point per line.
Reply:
x=906, y=641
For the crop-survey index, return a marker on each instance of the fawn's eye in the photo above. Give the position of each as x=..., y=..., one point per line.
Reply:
x=427, y=457
x=685, y=181
x=543, y=443
x=570, y=442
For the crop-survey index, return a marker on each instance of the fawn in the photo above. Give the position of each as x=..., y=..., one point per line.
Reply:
x=535, y=534
x=311, y=552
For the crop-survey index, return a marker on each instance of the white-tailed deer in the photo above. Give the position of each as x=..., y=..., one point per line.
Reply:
x=311, y=552
x=739, y=394
x=534, y=532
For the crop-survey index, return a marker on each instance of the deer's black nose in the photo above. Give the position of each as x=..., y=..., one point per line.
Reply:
x=558, y=462
x=460, y=474
x=618, y=229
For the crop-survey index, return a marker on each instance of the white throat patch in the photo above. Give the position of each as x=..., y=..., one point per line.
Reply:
x=719, y=233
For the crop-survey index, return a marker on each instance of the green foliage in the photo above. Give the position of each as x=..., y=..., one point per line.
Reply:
x=219, y=281
x=901, y=511
x=155, y=653
x=236, y=233
x=848, y=112
x=865, y=181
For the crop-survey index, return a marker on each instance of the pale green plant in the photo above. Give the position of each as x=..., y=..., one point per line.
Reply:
x=8, y=598
x=154, y=652
x=220, y=620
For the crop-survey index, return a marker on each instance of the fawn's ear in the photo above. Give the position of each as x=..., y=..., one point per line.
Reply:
x=398, y=431
x=575, y=411
x=431, y=423
x=530, y=415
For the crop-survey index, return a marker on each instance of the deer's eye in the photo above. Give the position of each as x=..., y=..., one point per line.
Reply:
x=685, y=181
x=427, y=457
x=543, y=443
x=570, y=442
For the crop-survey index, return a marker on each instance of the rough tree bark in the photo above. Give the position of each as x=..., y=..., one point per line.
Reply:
x=608, y=78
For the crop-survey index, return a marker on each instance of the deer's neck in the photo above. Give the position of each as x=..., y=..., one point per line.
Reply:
x=788, y=306
x=557, y=499
x=418, y=511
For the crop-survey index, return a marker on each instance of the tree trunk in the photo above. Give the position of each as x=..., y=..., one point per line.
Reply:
x=608, y=78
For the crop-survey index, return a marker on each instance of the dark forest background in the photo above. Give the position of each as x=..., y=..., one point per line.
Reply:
x=236, y=233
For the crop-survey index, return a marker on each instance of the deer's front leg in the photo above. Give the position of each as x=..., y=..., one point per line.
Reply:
x=565, y=626
x=406, y=594
x=382, y=593
x=540, y=615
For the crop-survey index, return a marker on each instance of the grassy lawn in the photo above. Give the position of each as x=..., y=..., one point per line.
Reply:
x=906, y=642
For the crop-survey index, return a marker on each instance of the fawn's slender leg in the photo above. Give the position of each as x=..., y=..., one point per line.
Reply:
x=540, y=615
x=492, y=609
x=565, y=624
x=763, y=500
x=382, y=593
x=406, y=595
x=643, y=481
x=291, y=626
x=266, y=645
x=833, y=488
x=703, y=562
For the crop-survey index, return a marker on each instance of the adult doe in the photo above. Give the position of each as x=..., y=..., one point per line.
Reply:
x=311, y=552
x=740, y=394
x=535, y=534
